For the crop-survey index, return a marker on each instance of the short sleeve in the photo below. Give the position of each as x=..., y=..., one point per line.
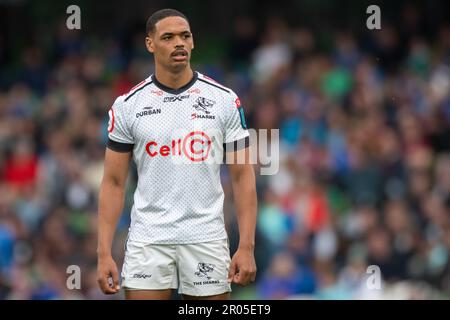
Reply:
x=236, y=127
x=119, y=134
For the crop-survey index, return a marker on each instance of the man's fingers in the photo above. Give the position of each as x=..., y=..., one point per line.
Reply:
x=103, y=283
x=105, y=286
x=115, y=278
x=243, y=277
x=232, y=272
x=242, y=269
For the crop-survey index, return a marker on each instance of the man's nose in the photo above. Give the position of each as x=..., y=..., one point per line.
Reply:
x=179, y=44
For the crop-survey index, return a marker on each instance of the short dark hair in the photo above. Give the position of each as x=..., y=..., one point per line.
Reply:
x=161, y=14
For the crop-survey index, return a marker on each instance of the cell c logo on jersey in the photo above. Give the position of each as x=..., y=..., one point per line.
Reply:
x=195, y=146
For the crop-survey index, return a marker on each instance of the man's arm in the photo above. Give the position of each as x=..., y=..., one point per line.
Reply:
x=243, y=267
x=111, y=200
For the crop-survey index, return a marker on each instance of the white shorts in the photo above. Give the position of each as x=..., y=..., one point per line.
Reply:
x=199, y=269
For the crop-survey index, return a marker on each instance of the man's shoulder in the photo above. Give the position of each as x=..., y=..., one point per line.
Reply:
x=215, y=85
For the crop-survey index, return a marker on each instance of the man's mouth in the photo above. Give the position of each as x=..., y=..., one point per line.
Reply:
x=179, y=55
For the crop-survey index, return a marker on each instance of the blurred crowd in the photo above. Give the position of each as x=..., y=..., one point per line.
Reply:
x=364, y=162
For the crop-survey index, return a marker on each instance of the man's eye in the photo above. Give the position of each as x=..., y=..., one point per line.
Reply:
x=166, y=38
x=186, y=36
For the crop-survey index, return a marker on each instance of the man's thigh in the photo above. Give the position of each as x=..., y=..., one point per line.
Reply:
x=148, y=294
x=223, y=296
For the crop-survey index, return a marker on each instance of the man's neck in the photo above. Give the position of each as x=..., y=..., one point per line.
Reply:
x=174, y=80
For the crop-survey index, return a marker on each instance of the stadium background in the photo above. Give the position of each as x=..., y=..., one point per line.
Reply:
x=364, y=119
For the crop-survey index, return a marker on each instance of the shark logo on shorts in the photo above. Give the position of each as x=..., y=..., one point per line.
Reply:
x=204, y=269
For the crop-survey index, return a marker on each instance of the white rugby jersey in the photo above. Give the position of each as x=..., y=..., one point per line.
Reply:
x=176, y=137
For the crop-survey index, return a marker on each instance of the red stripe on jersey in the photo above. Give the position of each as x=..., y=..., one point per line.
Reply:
x=212, y=80
x=208, y=78
x=136, y=87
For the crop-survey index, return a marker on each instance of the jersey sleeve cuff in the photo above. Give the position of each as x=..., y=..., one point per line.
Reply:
x=119, y=146
x=237, y=144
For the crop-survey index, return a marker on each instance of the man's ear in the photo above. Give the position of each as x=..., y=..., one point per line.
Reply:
x=149, y=44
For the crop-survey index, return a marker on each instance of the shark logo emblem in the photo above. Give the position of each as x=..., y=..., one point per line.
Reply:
x=203, y=104
x=204, y=269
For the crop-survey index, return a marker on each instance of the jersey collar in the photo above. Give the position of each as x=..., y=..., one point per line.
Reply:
x=175, y=91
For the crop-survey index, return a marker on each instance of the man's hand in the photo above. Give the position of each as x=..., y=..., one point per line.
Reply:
x=107, y=271
x=243, y=267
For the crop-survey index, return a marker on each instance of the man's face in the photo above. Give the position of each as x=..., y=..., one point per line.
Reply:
x=171, y=43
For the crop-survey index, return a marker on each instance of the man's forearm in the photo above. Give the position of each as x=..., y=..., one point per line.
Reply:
x=244, y=191
x=111, y=200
